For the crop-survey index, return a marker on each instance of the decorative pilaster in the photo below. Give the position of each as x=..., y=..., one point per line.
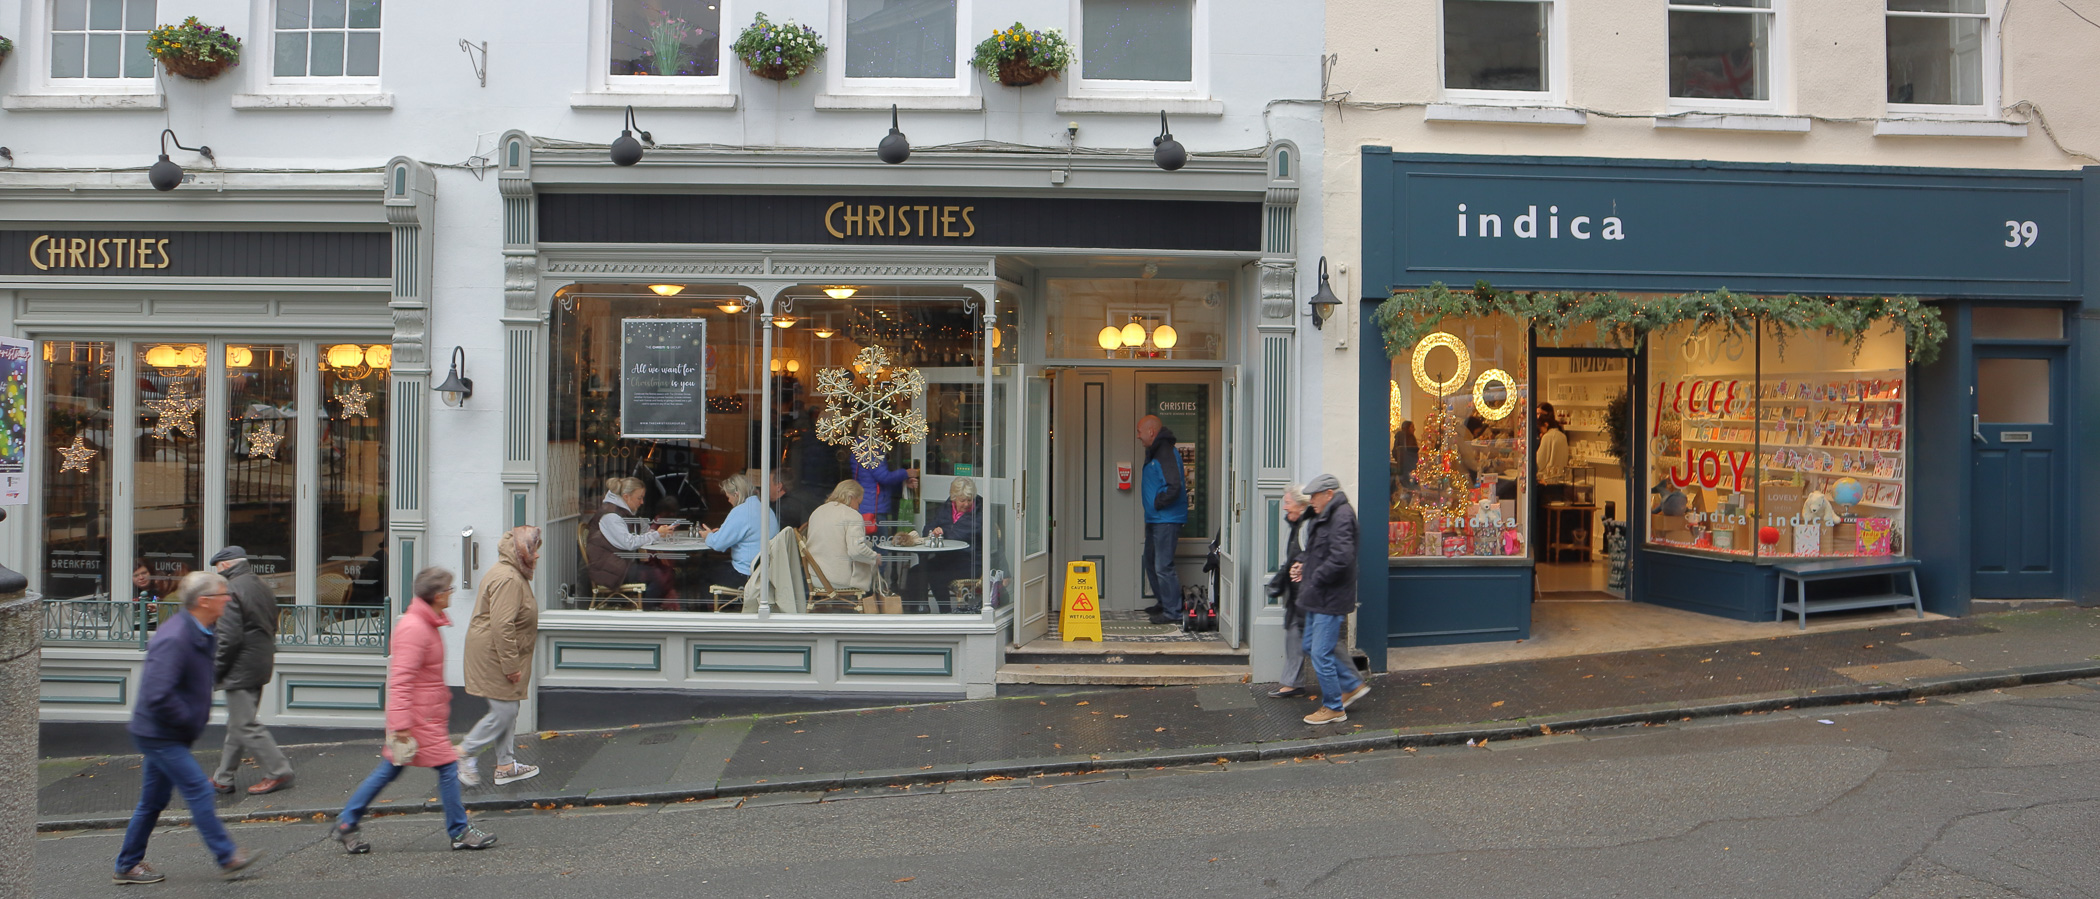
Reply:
x=411, y=208
x=524, y=330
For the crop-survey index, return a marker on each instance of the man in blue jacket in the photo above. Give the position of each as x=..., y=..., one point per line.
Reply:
x=174, y=705
x=1166, y=497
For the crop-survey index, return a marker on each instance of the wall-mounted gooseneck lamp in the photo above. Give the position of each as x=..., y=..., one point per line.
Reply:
x=8, y=155
x=166, y=175
x=456, y=389
x=894, y=148
x=625, y=149
x=1168, y=153
x=1323, y=302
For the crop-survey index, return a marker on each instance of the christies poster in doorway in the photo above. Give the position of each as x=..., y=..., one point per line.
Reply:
x=1185, y=410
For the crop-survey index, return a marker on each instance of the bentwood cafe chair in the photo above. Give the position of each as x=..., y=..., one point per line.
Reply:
x=625, y=597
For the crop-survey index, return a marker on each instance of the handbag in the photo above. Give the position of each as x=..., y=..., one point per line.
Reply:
x=403, y=749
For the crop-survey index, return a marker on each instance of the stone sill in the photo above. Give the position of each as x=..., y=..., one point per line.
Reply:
x=1693, y=121
x=372, y=100
x=1937, y=128
x=1505, y=115
x=1174, y=106
x=905, y=102
x=652, y=100
x=62, y=102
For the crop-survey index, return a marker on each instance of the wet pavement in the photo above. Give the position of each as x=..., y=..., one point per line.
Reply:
x=1093, y=728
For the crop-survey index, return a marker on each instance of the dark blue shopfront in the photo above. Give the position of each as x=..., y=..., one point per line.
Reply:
x=1984, y=465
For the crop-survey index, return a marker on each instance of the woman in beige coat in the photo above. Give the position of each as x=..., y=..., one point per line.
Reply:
x=498, y=660
x=838, y=540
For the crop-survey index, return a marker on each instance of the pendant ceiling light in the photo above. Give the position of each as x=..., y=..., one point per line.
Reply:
x=840, y=293
x=667, y=290
x=1165, y=337
x=783, y=321
x=1111, y=337
x=1133, y=334
x=730, y=308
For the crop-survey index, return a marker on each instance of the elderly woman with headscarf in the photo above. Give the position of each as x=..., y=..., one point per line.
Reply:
x=838, y=540
x=963, y=522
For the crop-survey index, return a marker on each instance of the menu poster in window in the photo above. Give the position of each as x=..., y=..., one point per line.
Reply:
x=14, y=420
x=1185, y=410
x=662, y=394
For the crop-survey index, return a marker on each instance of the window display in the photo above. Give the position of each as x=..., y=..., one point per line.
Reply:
x=1777, y=444
x=1459, y=444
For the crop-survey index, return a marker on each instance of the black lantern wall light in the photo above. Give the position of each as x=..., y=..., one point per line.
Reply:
x=165, y=175
x=625, y=149
x=894, y=147
x=1168, y=153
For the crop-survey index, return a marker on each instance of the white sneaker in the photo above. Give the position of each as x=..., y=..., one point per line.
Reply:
x=468, y=773
x=516, y=772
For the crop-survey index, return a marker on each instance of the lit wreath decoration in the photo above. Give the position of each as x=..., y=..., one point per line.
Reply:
x=1509, y=395
x=1457, y=347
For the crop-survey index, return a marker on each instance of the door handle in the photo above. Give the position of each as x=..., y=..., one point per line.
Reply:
x=1976, y=428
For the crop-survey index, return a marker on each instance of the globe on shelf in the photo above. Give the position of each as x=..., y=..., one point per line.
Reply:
x=1846, y=491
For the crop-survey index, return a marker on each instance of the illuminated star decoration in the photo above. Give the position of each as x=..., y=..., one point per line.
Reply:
x=77, y=455
x=176, y=412
x=867, y=417
x=263, y=442
x=354, y=401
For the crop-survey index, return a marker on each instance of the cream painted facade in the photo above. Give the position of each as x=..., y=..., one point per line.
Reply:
x=1384, y=87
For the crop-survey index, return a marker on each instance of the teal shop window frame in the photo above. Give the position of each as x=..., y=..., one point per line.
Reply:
x=656, y=657
x=123, y=688
x=947, y=654
x=804, y=651
x=378, y=688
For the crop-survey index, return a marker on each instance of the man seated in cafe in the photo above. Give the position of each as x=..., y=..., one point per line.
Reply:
x=962, y=522
x=612, y=550
x=743, y=530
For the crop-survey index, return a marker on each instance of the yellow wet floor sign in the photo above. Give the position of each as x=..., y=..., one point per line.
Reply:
x=1080, y=617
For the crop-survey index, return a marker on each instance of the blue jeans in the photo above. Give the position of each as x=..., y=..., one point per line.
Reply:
x=1337, y=675
x=167, y=766
x=448, y=793
x=1161, y=539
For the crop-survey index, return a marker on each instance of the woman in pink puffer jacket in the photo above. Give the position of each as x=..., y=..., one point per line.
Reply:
x=418, y=706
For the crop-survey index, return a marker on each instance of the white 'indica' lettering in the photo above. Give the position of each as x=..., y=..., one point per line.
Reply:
x=1525, y=226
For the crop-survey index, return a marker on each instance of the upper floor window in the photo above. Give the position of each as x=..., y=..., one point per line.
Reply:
x=1721, y=50
x=1137, y=40
x=327, y=39
x=1937, y=50
x=101, y=38
x=901, y=38
x=666, y=38
x=1497, y=45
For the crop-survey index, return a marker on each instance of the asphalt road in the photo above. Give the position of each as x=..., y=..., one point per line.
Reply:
x=1987, y=795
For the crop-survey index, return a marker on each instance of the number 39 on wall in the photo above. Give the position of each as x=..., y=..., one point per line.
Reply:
x=2021, y=234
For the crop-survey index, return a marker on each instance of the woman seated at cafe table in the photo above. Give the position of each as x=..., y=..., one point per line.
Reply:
x=838, y=540
x=611, y=549
x=743, y=530
x=962, y=522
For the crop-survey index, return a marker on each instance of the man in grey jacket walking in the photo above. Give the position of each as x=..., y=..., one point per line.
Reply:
x=1326, y=577
x=247, y=658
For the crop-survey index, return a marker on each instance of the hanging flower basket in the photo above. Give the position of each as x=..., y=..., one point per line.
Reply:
x=193, y=49
x=1018, y=57
x=777, y=51
x=6, y=47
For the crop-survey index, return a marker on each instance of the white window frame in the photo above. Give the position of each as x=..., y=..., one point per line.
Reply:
x=836, y=82
x=1778, y=64
x=1197, y=87
x=36, y=89
x=1993, y=10
x=316, y=83
x=1557, y=66
x=604, y=82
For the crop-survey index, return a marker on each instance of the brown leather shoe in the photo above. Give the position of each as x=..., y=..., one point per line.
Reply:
x=271, y=785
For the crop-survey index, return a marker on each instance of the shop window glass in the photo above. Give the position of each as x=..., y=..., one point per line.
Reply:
x=1460, y=442
x=168, y=468
x=262, y=460
x=352, y=491
x=900, y=38
x=1721, y=50
x=1153, y=318
x=101, y=38
x=1495, y=45
x=78, y=390
x=1701, y=488
x=2017, y=323
x=666, y=38
x=1935, y=51
x=1137, y=40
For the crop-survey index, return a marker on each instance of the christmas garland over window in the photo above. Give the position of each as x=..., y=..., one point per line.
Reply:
x=1625, y=321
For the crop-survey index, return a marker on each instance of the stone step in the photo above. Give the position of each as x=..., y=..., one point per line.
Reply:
x=1140, y=675
x=1112, y=654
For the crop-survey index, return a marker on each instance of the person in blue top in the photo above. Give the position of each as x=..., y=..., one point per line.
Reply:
x=1166, y=497
x=741, y=532
x=880, y=487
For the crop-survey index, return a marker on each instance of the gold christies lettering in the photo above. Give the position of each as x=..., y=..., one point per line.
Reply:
x=47, y=252
x=843, y=220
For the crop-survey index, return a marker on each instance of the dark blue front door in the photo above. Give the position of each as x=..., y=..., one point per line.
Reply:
x=2016, y=447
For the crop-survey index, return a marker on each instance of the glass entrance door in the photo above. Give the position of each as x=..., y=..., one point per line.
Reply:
x=1583, y=434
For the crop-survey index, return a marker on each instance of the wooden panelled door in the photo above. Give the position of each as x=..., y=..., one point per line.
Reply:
x=2017, y=487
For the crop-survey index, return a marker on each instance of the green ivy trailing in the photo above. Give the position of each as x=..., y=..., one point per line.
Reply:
x=1624, y=321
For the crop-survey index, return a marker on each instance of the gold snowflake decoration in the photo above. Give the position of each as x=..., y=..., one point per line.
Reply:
x=77, y=455
x=176, y=412
x=867, y=416
x=354, y=401
x=262, y=442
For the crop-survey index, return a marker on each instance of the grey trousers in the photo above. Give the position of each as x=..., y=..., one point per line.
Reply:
x=245, y=736
x=1296, y=673
x=498, y=728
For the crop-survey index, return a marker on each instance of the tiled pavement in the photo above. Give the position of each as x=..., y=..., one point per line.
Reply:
x=832, y=753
